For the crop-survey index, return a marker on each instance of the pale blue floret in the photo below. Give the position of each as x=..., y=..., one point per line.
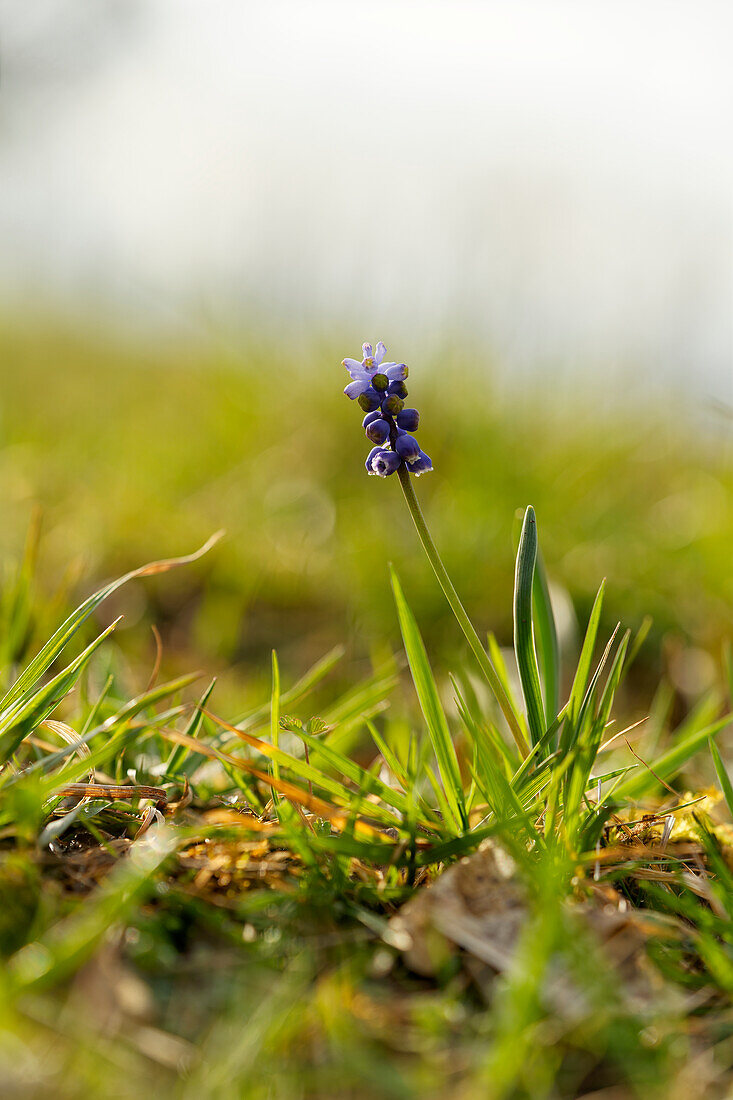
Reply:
x=372, y=363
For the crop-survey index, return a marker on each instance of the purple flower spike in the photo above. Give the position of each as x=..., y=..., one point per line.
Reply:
x=380, y=390
x=385, y=463
x=378, y=431
x=407, y=447
x=408, y=419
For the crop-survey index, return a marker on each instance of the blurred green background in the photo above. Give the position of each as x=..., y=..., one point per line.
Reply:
x=133, y=452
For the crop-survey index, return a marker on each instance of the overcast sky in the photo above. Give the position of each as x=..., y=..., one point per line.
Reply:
x=554, y=177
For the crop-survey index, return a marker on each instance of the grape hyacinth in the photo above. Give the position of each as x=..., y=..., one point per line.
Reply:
x=380, y=389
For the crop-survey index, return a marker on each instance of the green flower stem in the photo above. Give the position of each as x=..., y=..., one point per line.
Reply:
x=459, y=611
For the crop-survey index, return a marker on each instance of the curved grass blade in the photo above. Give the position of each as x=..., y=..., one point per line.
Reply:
x=56, y=643
x=342, y=763
x=289, y=790
x=671, y=761
x=302, y=768
x=32, y=707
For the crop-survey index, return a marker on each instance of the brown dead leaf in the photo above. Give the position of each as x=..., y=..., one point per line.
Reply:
x=480, y=907
x=478, y=904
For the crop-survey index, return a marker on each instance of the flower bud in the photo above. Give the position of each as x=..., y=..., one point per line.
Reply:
x=378, y=431
x=380, y=382
x=392, y=405
x=408, y=448
x=408, y=419
x=371, y=417
x=369, y=400
x=397, y=388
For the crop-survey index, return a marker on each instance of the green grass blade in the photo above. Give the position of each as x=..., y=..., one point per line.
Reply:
x=499, y=664
x=390, y=757
x=431, y=707
x=57, y=642
x=252, y=718
x=723, y=778
x=548, y=649
x=614, y=679
x=32, y=707
x=582, y=673
x=728, y=666
x=671, y=761
x=524, y=646
x=182, y=760
x=347, y=767
x=297, y=766
x=275, y=713
x=641, y=636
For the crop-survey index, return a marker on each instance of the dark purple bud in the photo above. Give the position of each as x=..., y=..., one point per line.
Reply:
x=369, y=400
x=378, y=431
x=392, y=405
x=408, y=419
x=399, y=389
x=407, y=447
x=380, y=382
x=385, y=463
x=370, y=418
x=421, y=465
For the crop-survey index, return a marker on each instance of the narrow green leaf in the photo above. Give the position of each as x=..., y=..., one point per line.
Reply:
x=275, y=713
x=499, y=664
x=728, y=666
x=56, y=643
x=431, y=707
x=182, y=759
x=641, y=636
x=724, y=779
x=548, y=649
x=390, y=756
x=31, y=708
x=582, y=673
x=614, y=678
x=298, y=691
x=524, y=646
x=347, y=767
x=671, y=761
